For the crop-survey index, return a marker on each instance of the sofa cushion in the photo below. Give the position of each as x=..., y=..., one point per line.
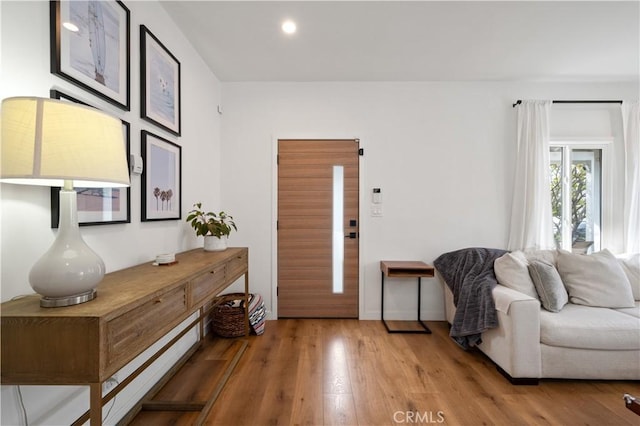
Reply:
x=631, y=267
x=586, y=327
x=548, y=284
x=595, y=280
x=511, y=271
x=635, y=311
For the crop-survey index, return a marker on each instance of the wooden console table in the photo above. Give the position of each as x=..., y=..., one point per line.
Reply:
x=405, y=269
x=86, y=344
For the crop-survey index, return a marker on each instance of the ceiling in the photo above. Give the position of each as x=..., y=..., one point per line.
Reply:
x=414, y=40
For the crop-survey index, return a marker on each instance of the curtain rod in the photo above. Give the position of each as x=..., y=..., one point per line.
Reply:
x=519, y=101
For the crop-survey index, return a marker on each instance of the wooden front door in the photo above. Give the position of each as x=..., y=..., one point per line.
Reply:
x=318, y=251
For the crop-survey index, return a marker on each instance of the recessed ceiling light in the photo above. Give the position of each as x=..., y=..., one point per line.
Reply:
x=70, y=27
x=289, y=27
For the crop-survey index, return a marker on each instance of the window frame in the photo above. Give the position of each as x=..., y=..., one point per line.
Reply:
x=605, y=145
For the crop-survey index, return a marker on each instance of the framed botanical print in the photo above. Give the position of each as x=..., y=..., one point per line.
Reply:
x=161, y=178
x=90, y=47
x=96, y=206
x=159, y=83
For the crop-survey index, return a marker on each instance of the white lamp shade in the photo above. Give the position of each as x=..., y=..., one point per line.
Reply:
x=47, y=141
x=56, y=143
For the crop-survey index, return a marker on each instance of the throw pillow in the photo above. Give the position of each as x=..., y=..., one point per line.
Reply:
x=548, y=284
x=595, y=280
x=511, y=271
x=631, y=266
x=549, y=256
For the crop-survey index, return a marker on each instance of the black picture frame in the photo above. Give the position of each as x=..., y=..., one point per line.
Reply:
x=160, y=85
x=96, y=57
x=161, y=178
x=91, y=217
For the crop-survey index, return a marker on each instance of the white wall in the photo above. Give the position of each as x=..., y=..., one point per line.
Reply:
x=442, y=153
x=25, y=223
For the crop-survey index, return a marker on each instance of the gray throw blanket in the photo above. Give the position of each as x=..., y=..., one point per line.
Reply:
x=469, y=274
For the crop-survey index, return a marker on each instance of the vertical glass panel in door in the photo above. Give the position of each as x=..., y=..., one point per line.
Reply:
x=338, y=229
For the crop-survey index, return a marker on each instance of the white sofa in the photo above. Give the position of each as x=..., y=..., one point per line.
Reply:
x=578, y=342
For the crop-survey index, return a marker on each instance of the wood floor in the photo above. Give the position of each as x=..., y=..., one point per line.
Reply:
x=349, y=372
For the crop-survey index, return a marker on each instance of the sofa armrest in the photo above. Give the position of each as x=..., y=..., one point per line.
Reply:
x=515, y=344
x=505, y=296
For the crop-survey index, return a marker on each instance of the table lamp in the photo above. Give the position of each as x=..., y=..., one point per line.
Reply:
x=57, y=143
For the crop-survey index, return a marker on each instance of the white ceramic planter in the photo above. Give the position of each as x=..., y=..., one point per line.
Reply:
x=212, y=243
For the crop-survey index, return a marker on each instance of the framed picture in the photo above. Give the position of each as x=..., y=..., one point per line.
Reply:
x=159, y=83
x=161, y=178
x=96, y=206
x=90, y=42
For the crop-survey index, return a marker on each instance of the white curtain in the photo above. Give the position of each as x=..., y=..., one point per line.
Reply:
x=531, y=226
x=631, y=123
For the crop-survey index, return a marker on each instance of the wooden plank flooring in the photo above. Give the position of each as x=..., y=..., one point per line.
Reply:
x=349, y=372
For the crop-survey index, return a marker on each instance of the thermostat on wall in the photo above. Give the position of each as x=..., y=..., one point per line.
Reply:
x=376, y=196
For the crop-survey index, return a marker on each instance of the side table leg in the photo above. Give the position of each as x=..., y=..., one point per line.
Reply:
x=426, y=329
x=382, y=303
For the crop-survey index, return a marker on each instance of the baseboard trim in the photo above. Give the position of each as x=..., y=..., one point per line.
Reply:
x=518, y=381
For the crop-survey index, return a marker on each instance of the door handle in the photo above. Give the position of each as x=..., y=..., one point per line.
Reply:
x=351, y=235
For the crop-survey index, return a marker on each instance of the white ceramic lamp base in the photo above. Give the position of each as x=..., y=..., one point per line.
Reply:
x=68, y=273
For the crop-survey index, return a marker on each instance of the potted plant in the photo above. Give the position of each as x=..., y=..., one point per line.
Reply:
x=215, y=227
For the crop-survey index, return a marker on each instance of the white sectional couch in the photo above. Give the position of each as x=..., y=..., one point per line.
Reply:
x=579, y=341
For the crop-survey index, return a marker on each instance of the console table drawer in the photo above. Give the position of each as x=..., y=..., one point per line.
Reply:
x=206, y=284
x=237, y=266
x=134, y=331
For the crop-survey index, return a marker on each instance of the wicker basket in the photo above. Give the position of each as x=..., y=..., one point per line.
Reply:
x=228, y=320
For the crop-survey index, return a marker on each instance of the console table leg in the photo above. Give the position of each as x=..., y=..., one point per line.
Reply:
x=95, y=404
x=247, y=327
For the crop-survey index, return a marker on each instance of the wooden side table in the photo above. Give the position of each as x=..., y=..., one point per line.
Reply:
x=405, y=269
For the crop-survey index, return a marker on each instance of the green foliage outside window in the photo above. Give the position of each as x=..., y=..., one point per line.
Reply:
x=579, y=173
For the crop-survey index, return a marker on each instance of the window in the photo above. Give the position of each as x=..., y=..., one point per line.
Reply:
x=576, y=196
